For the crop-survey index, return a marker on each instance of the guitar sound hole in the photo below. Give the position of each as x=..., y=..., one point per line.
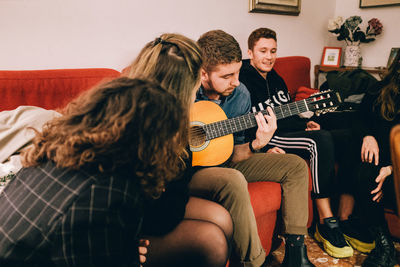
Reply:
x=197, y=136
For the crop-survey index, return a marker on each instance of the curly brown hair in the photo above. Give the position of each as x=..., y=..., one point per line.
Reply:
x=126, y=124
x=219, y=47
x=258, y=34
x=389, y=95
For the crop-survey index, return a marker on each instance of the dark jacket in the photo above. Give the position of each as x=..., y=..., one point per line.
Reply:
x=62, y=217
x=269, y=92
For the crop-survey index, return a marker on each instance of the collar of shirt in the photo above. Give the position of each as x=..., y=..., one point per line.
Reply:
x=201, y=96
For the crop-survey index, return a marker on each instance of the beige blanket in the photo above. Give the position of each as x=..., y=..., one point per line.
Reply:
x=14, y=127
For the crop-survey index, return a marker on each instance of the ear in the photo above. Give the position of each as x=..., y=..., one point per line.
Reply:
x=204, y=75
x=250, y=53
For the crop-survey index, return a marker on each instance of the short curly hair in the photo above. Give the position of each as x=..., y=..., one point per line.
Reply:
x=219, y=47
x=258, y=34
x=125, y=124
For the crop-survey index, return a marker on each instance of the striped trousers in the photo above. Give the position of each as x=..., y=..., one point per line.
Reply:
x=317, y=147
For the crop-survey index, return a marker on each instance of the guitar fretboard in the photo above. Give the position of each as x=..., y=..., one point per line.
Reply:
x=229, y=126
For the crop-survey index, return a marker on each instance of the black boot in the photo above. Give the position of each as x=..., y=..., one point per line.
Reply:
x=296, y=252
x=384, y=253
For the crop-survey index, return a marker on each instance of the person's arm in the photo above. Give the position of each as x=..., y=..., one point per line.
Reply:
x=266, y=127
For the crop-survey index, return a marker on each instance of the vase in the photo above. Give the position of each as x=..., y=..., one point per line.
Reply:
x=352, y=56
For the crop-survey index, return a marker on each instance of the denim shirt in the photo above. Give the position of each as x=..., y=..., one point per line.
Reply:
x=236, y=104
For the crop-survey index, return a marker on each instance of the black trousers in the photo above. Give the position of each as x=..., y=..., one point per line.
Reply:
x=372, y=212
x=317, y=147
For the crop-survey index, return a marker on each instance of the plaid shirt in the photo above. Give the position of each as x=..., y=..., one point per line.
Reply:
x=51, y=216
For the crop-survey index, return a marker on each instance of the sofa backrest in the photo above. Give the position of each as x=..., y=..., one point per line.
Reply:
x=295, y=71
x=49, y=89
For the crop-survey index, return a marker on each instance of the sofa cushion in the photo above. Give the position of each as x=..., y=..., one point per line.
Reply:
x=295, y=71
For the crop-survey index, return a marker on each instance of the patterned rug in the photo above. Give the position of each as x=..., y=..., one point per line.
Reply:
x=320, y=259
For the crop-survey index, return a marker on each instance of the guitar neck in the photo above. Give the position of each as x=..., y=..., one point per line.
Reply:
x=244, y=122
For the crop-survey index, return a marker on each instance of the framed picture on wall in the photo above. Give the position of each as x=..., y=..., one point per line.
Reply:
x=393, y=53
x=331, y=56
x=378, y=3
x=283, y=7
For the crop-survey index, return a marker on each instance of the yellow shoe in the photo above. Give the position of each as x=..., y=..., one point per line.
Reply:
x=332, y=239
x=357, y=235
x=359, y=245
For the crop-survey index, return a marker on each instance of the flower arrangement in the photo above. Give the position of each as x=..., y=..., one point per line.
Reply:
x=350, y=31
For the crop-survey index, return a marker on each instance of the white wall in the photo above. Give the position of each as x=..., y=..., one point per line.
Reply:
x=43, y=34
x=377, y=52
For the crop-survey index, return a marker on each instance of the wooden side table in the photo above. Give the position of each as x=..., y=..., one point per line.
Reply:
x=323, y=69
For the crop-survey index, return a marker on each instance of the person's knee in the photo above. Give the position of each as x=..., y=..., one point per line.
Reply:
x=224, y=220
x=298, y=172
x=212, y=246
x=232, y=185
x=216, y=179
x=324, y=134
x=297, y=164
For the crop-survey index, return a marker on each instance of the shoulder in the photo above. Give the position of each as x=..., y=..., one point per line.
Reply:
x=274, y=75
x=247, y=72
x=242, y=90
x=246, y=66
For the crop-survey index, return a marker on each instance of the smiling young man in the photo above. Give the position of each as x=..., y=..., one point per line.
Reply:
x=302, y=137
x=220, y=84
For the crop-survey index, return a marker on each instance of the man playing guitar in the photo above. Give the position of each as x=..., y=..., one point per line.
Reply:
x=220, y=84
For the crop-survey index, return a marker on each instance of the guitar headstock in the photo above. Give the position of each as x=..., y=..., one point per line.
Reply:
x=323, y=102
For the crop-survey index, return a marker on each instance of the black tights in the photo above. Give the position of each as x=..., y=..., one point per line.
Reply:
x=202, y=239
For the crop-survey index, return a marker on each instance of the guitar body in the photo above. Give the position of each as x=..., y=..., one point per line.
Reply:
x=212, y=152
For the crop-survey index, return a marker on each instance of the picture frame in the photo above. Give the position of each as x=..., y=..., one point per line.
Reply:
x=331, y=56
x=281, y=7
x=393, y=53
x=378, y=3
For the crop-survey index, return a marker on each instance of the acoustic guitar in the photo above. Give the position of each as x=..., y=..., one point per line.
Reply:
x=211, y=132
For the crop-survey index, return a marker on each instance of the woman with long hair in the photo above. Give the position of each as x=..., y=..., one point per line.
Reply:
x=379, y=112
x=79, y=199
x=183, y=230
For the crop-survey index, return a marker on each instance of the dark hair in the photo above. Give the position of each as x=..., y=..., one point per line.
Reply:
x=258, y=34
x=390, y=91
x=219, y=47
x=125, y=124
